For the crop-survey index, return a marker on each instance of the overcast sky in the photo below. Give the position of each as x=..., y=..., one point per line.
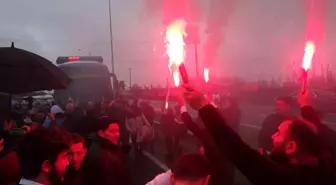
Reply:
x=262, y=36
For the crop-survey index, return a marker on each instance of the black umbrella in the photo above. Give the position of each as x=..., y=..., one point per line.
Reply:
x=22, y=71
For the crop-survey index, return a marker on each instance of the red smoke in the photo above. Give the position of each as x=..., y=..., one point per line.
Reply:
x=174, y=9
x=316, y=17
x=218, y=16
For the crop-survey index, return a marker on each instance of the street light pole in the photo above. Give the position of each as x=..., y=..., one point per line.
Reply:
x=130, y=76
x=111, y=36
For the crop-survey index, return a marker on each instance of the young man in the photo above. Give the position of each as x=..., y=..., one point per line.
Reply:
x=77, y=151
x=76, y=155
x=104, y=163
x=43, y=157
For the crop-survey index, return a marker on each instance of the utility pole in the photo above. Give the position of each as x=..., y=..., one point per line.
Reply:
x=111, y=36
x=130, y=77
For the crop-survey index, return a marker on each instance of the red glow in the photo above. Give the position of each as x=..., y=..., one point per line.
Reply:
x=308, y=55
x=180, y=9
x=316, y=17
x=206, y=74
x=176, y=76
x=166, y=105
x=73, y=58
x=175, y=47
x=175, y=43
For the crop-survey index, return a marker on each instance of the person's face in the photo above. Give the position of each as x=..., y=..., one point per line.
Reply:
x=2, y=144
x=282, y=107
x=111, y=133
x=76, y=154
x=281, y=140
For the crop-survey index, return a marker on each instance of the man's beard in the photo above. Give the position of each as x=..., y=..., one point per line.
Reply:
x=278, y=154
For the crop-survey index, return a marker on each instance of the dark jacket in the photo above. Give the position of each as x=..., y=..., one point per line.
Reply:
x=232, y=115
x=222, y=169
x=104, y=164
x=9, y=167
x=327, y=136
x=258, y=169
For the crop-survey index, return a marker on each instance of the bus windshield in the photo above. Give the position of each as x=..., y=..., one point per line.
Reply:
x=90, y=81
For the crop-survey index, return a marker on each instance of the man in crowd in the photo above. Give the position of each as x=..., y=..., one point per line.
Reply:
x=189, y=169
x=120, y=111
x=271, y=123
x=76, y=155
x=43, y=157
x=77, y=151
x=104, y=163
x=295, y=155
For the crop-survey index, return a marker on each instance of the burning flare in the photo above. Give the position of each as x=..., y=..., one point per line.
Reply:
x=308, y=55
x=206, y=74
x=166, y=105
x=306, y=63
x=175, y=47
x=176, y=76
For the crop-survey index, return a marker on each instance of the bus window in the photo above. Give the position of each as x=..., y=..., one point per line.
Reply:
x=90, y=80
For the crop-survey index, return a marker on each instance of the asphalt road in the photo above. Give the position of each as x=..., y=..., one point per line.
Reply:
x=148, y=165
x=253, y=115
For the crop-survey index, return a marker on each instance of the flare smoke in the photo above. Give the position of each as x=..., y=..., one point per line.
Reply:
x=316, y=11
x=218, y=16
x=171, y=10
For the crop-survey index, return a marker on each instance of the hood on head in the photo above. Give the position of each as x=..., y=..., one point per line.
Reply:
x=55, y=109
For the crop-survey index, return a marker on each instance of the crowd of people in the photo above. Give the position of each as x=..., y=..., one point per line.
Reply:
x=90, y=144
